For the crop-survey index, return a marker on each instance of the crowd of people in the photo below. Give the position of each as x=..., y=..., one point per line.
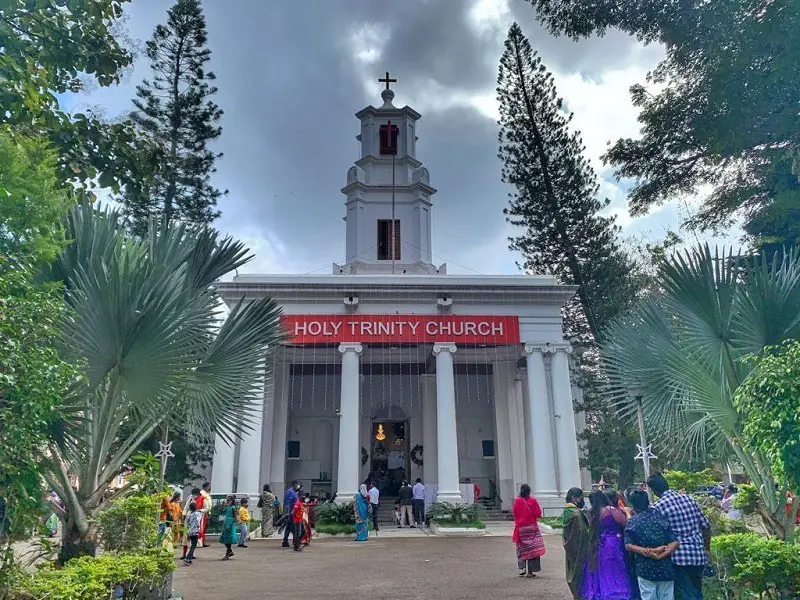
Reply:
x=624, y=548
x=621, y=547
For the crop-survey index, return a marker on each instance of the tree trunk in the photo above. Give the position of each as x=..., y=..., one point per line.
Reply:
x=75, y=544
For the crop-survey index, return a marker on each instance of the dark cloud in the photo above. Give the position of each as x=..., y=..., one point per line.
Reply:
x=290, y=85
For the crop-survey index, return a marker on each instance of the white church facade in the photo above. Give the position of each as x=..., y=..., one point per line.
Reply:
x=395, y=370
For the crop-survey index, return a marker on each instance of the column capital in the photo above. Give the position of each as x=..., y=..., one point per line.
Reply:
x=350, y=347
x=545, y=347
x=444, y=347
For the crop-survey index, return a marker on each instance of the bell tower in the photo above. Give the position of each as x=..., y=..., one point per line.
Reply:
x=388, y=196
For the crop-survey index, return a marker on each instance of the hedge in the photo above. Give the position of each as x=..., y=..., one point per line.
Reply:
x=753, y=566
x=87, y=578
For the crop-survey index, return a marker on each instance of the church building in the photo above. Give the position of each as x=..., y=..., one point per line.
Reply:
x=393, y=369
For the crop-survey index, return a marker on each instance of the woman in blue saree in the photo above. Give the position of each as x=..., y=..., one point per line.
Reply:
x=361, y=509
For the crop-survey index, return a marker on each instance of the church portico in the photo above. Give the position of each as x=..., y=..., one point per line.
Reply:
x=393, y=369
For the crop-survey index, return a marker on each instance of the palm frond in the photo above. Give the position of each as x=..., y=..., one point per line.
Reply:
x=685, y=347
x=235, y=366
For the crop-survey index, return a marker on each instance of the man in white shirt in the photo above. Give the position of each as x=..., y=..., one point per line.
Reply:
x=418, y=502
x=374, y=499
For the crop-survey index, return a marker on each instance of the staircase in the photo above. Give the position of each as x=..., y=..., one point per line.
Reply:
x=492, y=512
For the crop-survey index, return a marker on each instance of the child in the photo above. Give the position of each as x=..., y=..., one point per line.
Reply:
x=398, y=515
x=650, y=538
x=193, y=520
x=244, y=519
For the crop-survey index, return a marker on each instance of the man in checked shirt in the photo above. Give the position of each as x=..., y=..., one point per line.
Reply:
x=693, y=532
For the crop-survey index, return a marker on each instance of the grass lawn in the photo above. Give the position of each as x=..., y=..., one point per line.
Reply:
x=554, y=522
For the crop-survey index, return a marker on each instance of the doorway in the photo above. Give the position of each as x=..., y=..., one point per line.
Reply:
x=390, y=457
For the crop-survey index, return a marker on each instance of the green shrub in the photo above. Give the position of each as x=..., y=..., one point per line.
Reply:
x=129, y=524
x=691, y=480
x=454, y=512
x=747, y=499
x=89, y=578
x=335, y=514
x=751, y=566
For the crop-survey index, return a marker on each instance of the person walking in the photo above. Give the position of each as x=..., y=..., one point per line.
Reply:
x=289, y=500
x=193, y=520
x=605, y=574
x=194, y=498
x=204, y=506
x=693, y=531
x=267, y=505
x=575, y=537
x=298, y=523
x=418, y=502
x=652, y=542
x=527, y=536
x=228, y=535
x=406, y=496
x=244, y=520
x=374, y=501
x=361, y=510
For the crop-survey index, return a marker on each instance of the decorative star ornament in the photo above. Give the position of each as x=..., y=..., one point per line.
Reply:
x=164, y=450
x=644, y=451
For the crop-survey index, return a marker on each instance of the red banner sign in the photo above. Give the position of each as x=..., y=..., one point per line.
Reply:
x=399, y=329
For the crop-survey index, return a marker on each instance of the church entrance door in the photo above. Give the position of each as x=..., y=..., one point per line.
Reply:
x=390, y=456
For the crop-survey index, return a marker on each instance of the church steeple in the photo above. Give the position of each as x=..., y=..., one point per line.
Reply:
x=388, y=186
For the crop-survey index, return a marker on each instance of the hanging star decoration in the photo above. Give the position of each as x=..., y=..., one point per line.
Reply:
x=164, y=450
x=644, y=451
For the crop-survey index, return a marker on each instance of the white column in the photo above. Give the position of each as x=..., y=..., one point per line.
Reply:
x=517, y=428
x=222, y=466
x=429, y=430
x=528, y=447
x=447, y=438
x=250, y=450
x=349, y=417
x=501, y=379
x=569, y=470
x=541, y=423
x=279, y=427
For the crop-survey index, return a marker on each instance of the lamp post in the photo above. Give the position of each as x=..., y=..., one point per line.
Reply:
x=637, y=392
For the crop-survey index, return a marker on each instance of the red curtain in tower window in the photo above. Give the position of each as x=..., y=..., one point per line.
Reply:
x=388, y=135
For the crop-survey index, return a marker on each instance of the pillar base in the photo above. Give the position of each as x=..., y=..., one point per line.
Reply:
x=344, y=497
x=451, y=497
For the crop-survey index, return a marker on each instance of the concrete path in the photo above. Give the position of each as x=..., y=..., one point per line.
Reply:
x=390, y=566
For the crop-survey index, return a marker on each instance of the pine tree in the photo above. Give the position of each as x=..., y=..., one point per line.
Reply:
x=556, y=202
x=174, y=109
x=556, y=189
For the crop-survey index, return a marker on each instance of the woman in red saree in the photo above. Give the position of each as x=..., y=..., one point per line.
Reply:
x=527, y=537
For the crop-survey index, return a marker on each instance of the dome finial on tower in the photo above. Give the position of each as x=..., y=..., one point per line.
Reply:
x=387, y=94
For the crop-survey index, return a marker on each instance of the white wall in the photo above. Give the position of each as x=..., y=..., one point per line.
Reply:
x=475, y=423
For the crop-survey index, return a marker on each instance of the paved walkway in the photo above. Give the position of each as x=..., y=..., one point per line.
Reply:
x=390, y=566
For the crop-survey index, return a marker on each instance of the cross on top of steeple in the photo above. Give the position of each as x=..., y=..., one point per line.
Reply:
x=387, y=80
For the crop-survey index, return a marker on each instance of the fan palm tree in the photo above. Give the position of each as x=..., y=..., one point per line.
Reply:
x=684, y=348
x=147, y=329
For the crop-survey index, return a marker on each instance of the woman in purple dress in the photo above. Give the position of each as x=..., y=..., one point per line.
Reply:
x=604, y=575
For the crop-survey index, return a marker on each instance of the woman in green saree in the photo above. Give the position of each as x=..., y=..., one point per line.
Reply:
x=228, y=535
x=575, y=534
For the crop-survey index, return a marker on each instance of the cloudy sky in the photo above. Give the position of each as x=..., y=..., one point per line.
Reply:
x=291, y=75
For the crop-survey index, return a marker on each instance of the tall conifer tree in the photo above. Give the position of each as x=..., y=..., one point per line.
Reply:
x=555, y=199
x=556, y=202
x=176, y=110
